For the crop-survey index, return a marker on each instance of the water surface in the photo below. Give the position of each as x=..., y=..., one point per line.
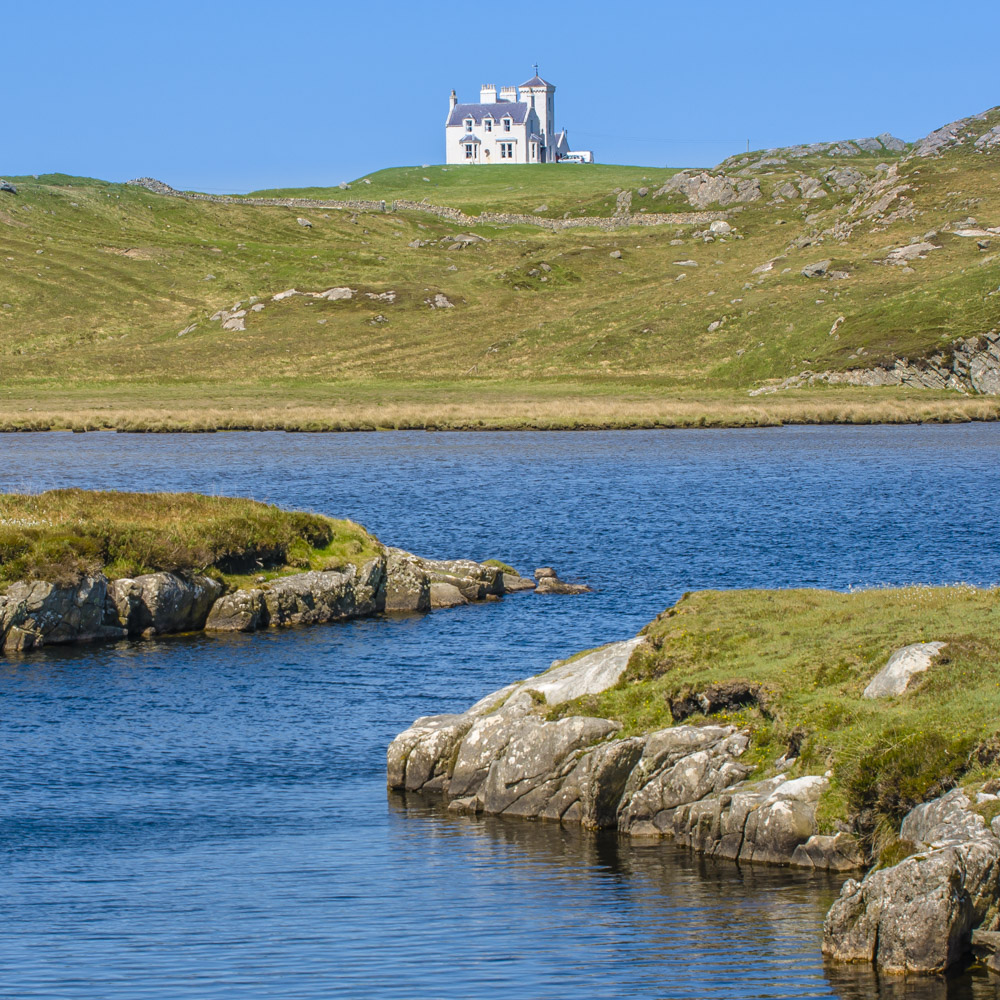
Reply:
x=206, y=817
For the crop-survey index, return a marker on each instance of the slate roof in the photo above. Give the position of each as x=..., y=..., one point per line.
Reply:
x=477, y=112
x=537, y=81
x=535, y=137
x=469, y=137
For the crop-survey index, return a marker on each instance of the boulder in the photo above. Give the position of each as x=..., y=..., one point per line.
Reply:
x=895, y=677
x=305, y=223
x=527, y=779
x=445, y=595
x=419, y=758
x=475, y=581
x=35, y=613
x=7, y=186
x=704, y=189
x=241, y=611
x=817, y=270
x=918, y=915
x=811, y=188
x=325, y=595
x=512, y=583
x=158, y=603
x=408, y=586
x=721, y=228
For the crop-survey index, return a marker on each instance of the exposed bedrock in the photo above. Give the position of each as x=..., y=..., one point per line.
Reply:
x=36, y=613
x=920, y=915
x=504, y=757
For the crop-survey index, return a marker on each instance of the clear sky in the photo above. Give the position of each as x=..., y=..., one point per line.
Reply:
x=223, y=96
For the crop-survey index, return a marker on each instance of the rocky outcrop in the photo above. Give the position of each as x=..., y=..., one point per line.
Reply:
x=919, y=915
x=972, y=365
x=704, y=189
x=36, y=613
x=894, y=678
x=688, y=783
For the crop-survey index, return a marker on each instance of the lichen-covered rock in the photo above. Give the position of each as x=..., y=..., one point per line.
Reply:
x=528, y=779
x=35, y=613
x=895, y=677
x=838, y=852
x=158, y=603
x=918, y=915
x=324, y=595
x=419, y=758
x=475, y=581
x=408, y=585
x=241, y=611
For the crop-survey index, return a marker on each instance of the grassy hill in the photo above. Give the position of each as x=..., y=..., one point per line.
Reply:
x=108, y=293
x=572, y=189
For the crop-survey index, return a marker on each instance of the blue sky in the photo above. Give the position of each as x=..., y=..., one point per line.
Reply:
x=221, y=96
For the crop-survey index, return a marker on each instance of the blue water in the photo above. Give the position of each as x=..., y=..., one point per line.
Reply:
x=206, y=817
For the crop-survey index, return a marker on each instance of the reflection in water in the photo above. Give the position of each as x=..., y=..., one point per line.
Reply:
x=205, y=818
x=705, y=927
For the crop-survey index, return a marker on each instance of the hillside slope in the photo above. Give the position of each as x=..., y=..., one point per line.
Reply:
x=123, y=307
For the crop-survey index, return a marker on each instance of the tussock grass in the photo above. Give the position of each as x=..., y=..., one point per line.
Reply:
x=60, y=535
x=813, y=652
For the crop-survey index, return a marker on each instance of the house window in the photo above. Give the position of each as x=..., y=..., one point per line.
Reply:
x=506, y=124
x=488, y=124
x=506, y=151
x=534, y=151
x=469, y=150
x=468, y=124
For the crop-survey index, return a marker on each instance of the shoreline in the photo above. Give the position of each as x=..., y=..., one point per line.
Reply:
x=626, y=738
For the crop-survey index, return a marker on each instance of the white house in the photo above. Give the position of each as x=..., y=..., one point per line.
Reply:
x=512, y=125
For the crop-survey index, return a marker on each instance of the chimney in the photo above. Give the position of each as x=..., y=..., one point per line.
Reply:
x=488, y=94
x=453, y=100
x=508, y=94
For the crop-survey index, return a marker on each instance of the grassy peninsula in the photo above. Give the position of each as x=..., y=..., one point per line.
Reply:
x=808, y=655
x=118, y=308
x=60, y=535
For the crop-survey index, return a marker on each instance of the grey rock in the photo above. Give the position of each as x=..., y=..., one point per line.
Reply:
x=891, y=143
x=895, y=677
x=704, y=189
x=446, y=595
x=721, y=228
x=241, y=611
x=408, y=586
x=439, y=301
x=305, y=223
x=553, y=585
x=869, y=145
x=35, y=613
x=512, y=583
x=817, y=270
x=418, y=758
x=326, y=595
x=475, y=581
x=918, y=916
x=539, y=756
x=616, y=254
x=811, y=188
x=7, y=186
x=839, y=852
x=165, y=602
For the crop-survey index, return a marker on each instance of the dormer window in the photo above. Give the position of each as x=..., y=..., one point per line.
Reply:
x=488, y=124
x=468, y=124
x=506, y=124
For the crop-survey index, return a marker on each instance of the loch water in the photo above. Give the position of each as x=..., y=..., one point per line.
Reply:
x=205, y=817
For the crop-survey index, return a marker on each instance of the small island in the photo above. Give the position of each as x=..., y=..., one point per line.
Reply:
x=79, y=565
x=850, y=732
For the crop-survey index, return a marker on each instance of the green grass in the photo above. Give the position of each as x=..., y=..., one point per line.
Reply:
x=547, y=329
x=564, y=189
x=813, y=652
x=60, y=535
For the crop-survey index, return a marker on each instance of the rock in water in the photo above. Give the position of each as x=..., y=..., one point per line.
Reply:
x=894, y=678
x=549, y=583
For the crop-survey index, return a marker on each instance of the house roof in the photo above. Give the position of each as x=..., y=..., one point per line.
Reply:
x=537, y=81
x=468, y=137
x=517, y=112
x=535, y=137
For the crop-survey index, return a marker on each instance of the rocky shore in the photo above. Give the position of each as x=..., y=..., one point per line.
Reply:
x=38, y=613
x=516, y=753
